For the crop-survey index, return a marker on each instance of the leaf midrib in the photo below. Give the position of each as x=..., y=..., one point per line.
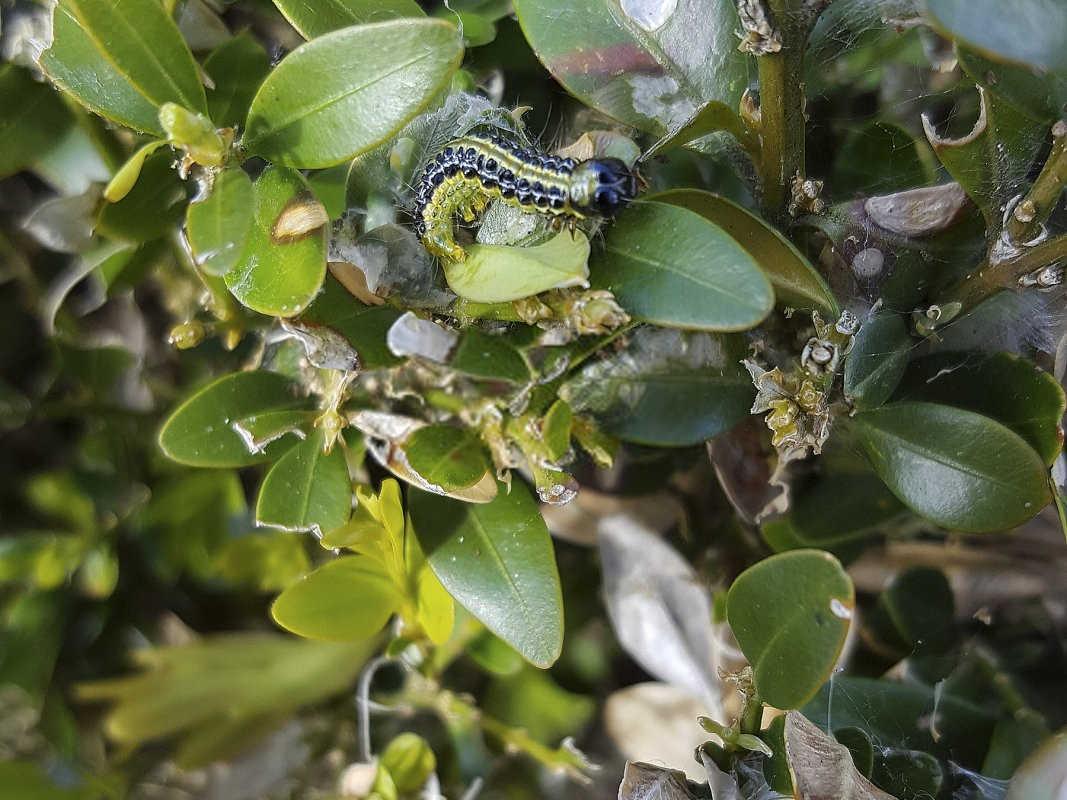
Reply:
x=337, y=98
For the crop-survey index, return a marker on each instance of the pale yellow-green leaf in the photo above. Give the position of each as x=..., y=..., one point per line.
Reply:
x=499, y=273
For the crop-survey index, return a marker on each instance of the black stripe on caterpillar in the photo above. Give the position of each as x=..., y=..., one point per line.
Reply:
x=471, y=171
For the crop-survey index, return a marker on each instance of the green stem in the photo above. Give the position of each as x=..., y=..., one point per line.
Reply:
x=1034, y=209
x=989, y=279
x=782, y=108
x=752, y=714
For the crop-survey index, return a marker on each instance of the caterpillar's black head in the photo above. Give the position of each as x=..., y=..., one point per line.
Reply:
x=603, y=186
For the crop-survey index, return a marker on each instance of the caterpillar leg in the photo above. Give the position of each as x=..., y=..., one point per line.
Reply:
x=439, y=241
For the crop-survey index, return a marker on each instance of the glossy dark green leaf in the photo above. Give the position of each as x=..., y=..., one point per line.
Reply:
x=796, y=282
x=956, y=468
x=348, y=91
x=199, y=432
x=672, y=267
x=447, y=456
x=496, y=559
x=878, y=359
x=637, y=63
x=152, y=207
x=915, y=613
x=1008, y=388
x=315, y=19
x=306, y=489
x=861, y=747
x=790, y=614
x=237, y=67
x=346, y=600
x=908, y=773
x=667, y=388
x=218, y=226
x=881, y=158
x=1027, y=32
x=836, y=509
x=365, y=327
x=1042, y=95
x=993, y=160
x=898, y=715
x=123, y=59
x=481, y=355
x=279, y=275
x=34, y=120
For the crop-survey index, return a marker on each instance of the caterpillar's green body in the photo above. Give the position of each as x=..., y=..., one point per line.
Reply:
x=471, y=171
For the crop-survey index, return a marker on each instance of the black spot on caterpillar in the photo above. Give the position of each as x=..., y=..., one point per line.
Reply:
x=471, y=171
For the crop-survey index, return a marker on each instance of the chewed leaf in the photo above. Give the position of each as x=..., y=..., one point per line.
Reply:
x=499, y=273
x=635, y=62
x=992, y=161
x=307, y=489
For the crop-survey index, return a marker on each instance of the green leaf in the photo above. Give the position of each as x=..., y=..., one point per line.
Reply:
x=279, y=276
x=1040, y=95
x=908, y=773
x=307, y=489
x=348, y=91
x=123, y=59
x=637, y=63
x=881, y=158
x=347, y=600
x=672, y=267
x=916, y=613
x=151, y=208
x=126, y=177
x=262, y=428
x=219, y=226
x=667, y=388
x=365, y=327
x=796, y=282
x=897, y=715
x=237, y=67
x=993, y=160
x=447, y=456
x=878, y=359
x=861, y=747
x=1008, y=388
x=496, y=273
x=482, y=355
x=834, y=510
x=790, y=614
x=956, y=468
x=199, y=432
x=496, y=559
x=222, y=693
x=711, y=117
x=314, y=19
x=1026, y=32
x=34, y=119
x=1043, y=775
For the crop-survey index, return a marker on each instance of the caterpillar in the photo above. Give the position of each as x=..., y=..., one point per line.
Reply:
x=471, y=171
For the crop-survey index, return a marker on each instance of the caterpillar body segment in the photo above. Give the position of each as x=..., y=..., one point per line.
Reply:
x=473, y=170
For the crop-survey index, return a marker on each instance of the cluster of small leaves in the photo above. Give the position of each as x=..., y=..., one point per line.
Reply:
x=864, y=346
